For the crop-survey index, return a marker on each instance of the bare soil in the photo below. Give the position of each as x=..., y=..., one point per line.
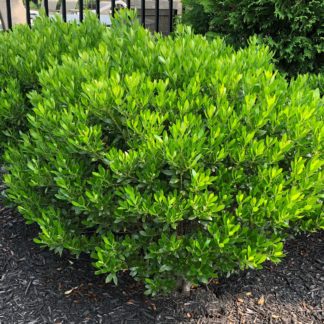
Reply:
x=37, y=286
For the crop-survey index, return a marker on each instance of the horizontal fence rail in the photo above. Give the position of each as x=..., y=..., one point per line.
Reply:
x=156, y=15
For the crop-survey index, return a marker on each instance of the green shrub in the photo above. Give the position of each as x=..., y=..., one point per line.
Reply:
x=180, y=165
x=24, y=53
x=317, y=82
x=292, y=29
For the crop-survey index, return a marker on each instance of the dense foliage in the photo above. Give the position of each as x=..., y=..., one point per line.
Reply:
x=24, y=53
x=179, y=165
x=292, y=29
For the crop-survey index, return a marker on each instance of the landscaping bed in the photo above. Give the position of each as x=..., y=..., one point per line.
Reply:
x=37, y=286
x=176, y=169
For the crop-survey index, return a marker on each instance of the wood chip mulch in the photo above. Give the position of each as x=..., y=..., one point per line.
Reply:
x=37, y=286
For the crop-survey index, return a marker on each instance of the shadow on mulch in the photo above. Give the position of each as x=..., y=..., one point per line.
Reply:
x=37, y=286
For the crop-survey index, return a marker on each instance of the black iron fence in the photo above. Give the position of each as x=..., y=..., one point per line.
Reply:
x=157, y=15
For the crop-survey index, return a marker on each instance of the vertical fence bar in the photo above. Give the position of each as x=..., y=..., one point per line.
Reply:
x=143, y=12
x=81, y=10
x=98, y=8
x=128, y=4
x=171, y=15
x=113, y=7
x=27, y=12
x=46, y=7
x=157, y=15
x=8, y=5
x=64, y=10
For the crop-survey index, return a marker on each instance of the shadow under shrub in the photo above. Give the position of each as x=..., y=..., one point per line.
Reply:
x=179, y=165
x=292, y=29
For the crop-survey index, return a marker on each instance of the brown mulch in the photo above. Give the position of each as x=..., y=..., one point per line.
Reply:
x=37, y=286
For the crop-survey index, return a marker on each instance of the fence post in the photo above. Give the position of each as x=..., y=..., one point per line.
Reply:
x=27, y=5
x=157, y=15
x=98, y=8
x=143, y=12
x=171, y=15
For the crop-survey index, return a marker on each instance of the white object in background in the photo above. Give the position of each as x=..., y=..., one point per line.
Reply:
x=70, y=5
x=105, y=6
x=104, y=19
x=52, y=5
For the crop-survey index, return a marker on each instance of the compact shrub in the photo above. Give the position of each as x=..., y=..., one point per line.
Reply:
x=24, y=53
x=292, y=29
x=180, y=165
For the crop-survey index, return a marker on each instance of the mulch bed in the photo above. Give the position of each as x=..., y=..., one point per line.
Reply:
x=37, y=286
